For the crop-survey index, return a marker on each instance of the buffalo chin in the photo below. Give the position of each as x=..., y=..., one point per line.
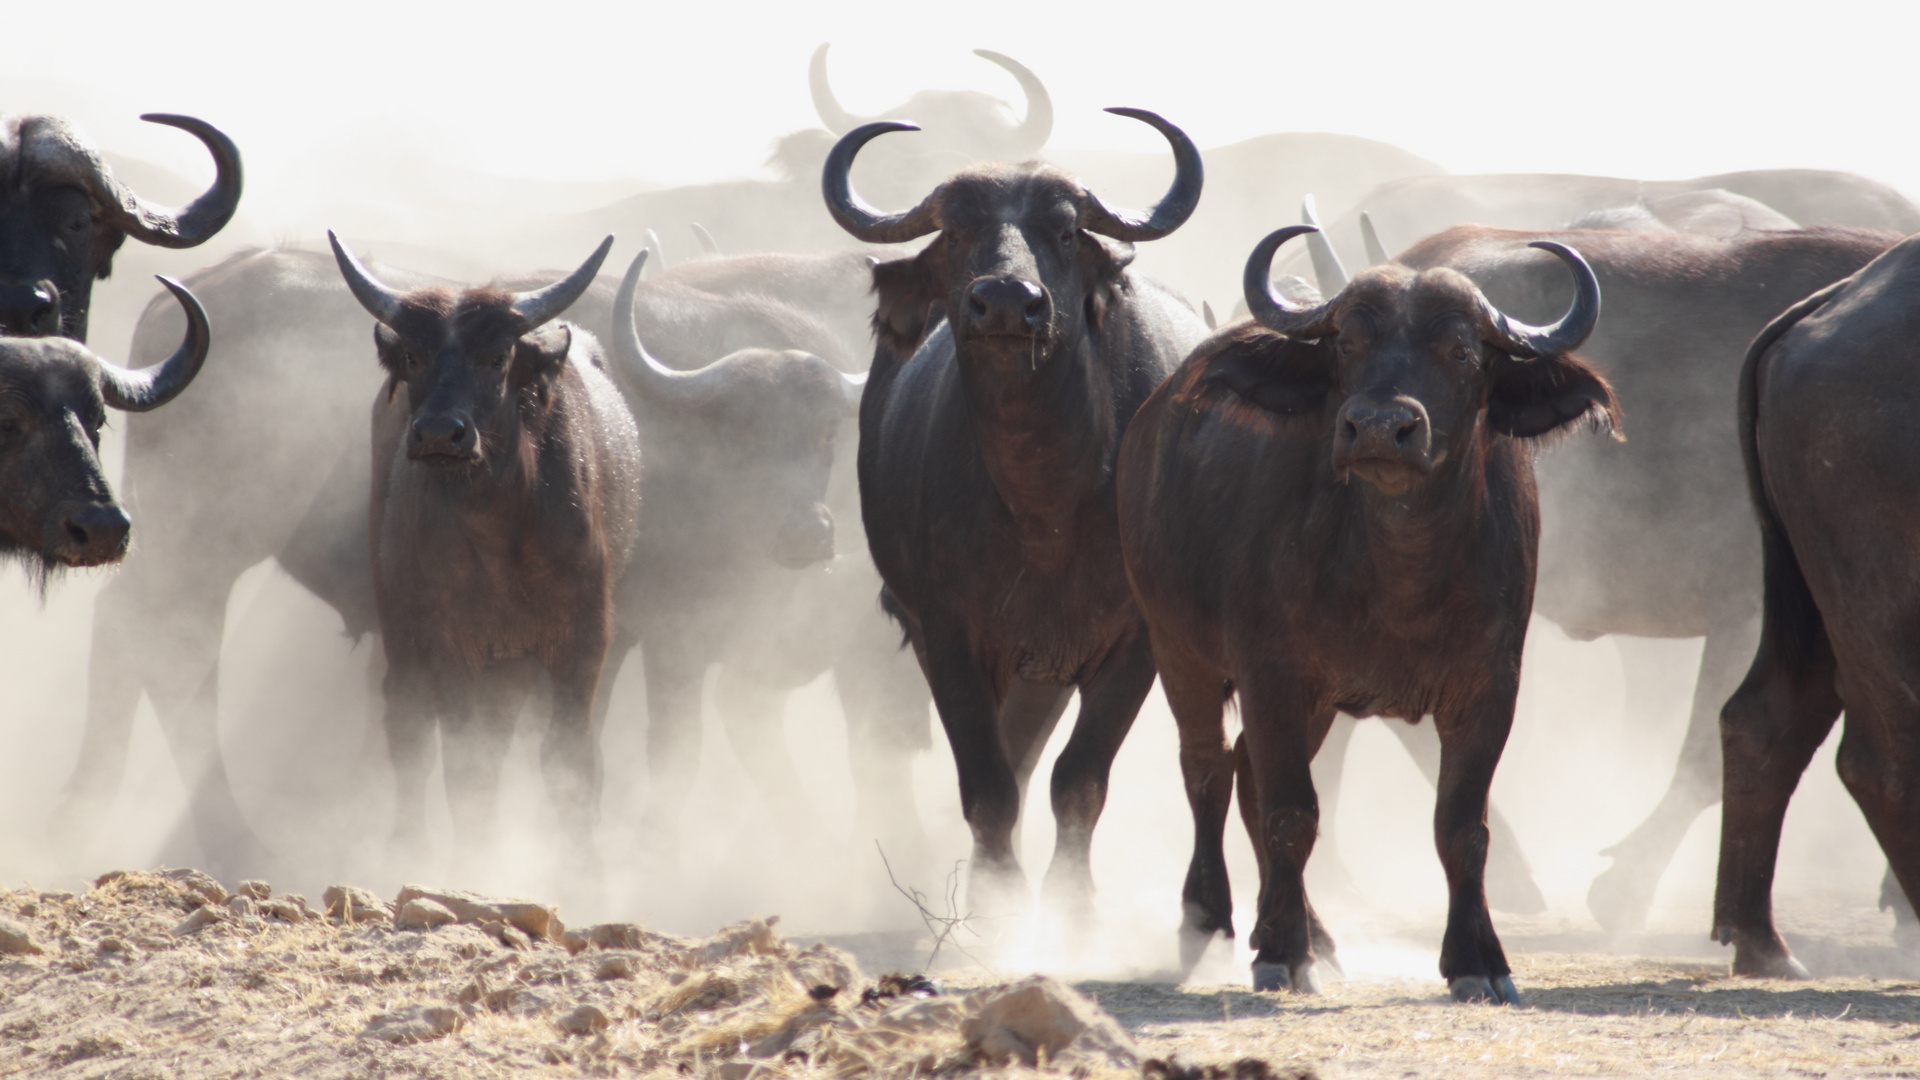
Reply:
x=1391, y=478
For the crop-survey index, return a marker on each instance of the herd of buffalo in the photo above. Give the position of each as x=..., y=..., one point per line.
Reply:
x=1346, y=504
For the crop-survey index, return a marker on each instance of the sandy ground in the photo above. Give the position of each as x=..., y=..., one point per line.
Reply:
x=166, y=974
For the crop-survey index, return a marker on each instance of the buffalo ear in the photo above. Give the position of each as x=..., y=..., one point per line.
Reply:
x=1103, y=261
x=1531, y=398
x=386, y=345
x=540, y=354
x=1280, y=374
x=911, y=298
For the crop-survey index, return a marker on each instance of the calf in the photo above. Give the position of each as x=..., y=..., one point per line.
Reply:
x=503, y=514
x=1332, y=510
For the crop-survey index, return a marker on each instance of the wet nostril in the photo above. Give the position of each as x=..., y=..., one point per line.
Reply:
x=78, y=533
x=1406, y=432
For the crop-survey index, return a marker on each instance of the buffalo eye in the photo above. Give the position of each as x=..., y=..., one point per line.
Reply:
x=500, y=358
x=1068, y=236
x=1461, y=353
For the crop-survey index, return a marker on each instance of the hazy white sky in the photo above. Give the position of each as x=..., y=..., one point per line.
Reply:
x=684, y=91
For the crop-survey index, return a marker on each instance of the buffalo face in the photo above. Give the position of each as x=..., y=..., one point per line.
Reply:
x=56, y=509
x=1415, y=363
x=63, y=216
x=466, y=365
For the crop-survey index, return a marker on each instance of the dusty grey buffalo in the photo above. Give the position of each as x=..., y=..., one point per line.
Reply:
x=506, y=474
x=1012, y=352
x=63, y=216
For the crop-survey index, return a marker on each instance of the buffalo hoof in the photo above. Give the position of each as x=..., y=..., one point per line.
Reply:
x=1479, y=988
x=1621, y=897
x=1272, y=978
x=1755, y=965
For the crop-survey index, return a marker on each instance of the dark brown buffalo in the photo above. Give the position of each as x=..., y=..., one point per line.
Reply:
x=1332, y=510
x=56, y=508
x=63, y=215
x=1653, y=536
x=1012, y=351
x=1826, y=405
x=503, y=514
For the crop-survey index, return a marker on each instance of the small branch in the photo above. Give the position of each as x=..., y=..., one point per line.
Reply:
x=942, y=927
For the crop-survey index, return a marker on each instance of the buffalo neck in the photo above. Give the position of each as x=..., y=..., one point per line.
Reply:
x=1045, y=431
x=1417, y=546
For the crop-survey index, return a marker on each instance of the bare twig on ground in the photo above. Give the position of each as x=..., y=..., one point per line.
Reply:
x=942, y=927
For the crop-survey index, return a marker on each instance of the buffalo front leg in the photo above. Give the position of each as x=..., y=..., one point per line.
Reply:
x=570, y=755
x=1196, y=693
x=1622, y=895
x=754, y=715
x=1471, y=742
x=477, y=721
x=675, y=673
x=409, y=723
x=969, y=710
x=1510, y=884
x=1110, y=700
x=1878, y=756
x=1282, y=728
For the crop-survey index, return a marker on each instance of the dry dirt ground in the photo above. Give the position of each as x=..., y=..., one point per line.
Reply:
x=165, y=974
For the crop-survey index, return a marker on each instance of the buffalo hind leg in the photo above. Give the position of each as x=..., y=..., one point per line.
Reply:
x=1196, y=693
x=1471, y=742
x=1282, y=729
x=1110, y=699
x=754, y=715
x=675, y=674
x=1877, y=760
x=885, y=700
x=1623, y=894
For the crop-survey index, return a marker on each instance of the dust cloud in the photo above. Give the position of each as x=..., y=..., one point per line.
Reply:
x=351, y=130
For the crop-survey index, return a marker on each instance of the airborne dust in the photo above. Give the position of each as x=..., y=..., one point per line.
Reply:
x=1599, y=723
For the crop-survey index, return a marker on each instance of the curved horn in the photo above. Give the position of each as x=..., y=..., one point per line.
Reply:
x=1327, y=271
x=837, y=120
x=645, y=377
x=1563, y=336
x=1274, y=311
x=381, y=302
x=541, y=306
x=852, y=212
x=1173, y=209
x=1033, y=132
x=653, y=245
x=1206, y=313
x=150, y=388
x=853, y=387
x=203, y=217
x=708, y=245
x=1376, y=251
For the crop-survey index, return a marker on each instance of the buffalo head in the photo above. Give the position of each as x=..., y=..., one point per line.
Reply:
x=744, y=444
x=1416, y=361
x=475, y=362
x=63, y=215
x=1022, y=262
x=56, y=508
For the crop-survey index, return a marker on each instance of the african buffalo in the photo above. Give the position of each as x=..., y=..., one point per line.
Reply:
x=63, y=216
x=503, y=514
x=56, y=508
x=1011, y=353
x=1828, y=446
x=738, y=456
x=1653, y=537
x=1332, y=510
